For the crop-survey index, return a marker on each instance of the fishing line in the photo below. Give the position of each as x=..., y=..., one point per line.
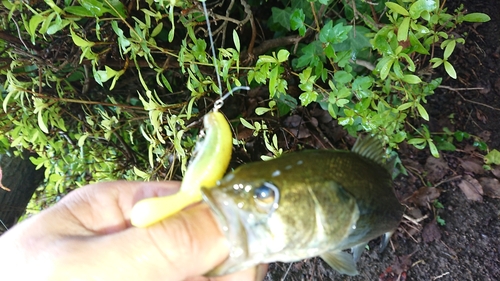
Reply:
x=6, y=228
x=213, y=46
x=220, y=102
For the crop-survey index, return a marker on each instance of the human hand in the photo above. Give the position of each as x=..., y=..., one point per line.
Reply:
x=88, y=236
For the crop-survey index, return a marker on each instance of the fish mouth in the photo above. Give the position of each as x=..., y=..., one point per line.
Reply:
x=226, y=214
x=227, y=217
x=216, y=207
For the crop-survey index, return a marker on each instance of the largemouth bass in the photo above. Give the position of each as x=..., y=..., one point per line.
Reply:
x=306, y=204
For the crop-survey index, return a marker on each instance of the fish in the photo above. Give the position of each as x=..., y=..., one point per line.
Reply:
x=306, y=204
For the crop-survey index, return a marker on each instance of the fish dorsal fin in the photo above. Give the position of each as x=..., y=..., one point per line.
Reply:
x=371, y=148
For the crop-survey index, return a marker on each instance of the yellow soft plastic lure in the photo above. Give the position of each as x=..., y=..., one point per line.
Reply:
x=211, y=160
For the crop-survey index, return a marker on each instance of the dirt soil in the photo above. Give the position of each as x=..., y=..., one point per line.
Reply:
x=467, y=246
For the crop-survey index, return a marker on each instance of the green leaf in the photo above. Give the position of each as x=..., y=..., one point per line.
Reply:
x=283, y=55
x=396, y=8
x=311, y=55
x=80, y=42
x=476, y=17
x=95, y=7
x=421, y=6
x=158, y=28
x=343, y=77
x=78, y=11
x=281, y=17
x=405, y=106
x=236, y=40
x=262, y=110
x=403, y=29
x=436, y=62
x=247, y=124
x=308, y=97
x=42, y=122
x=449, y=49
x=493, y=157
x=334, y=34
x=433, y=148
x=384, y=66
x=450, y=70
x=411, y=79
x=421, y=110
x=297, y=21
x=35, y=20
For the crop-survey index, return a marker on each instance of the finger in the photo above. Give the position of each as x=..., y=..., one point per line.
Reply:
x=105, y=207
x=186, y=245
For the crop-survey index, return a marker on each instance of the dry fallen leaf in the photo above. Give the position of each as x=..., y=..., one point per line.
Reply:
x=496, y=171
x=436, y=169
x=424, y=195
x=473, y=165
x=471, y=188
x=431, y=232
x=491, y=187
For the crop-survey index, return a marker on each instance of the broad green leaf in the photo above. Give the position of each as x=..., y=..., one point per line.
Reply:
x=433, y=148
x=422, y=112
x=411, y=79
x=450, y=70
x=436, y=62
x=384, y=66
x=334, y=34
x=57, y=24
x=141, y=174
x=46, y=23
x=262, y=110
x=281, y=17
x=297, y=21
x=54, y=7
x=81, y=140
x=403, y=29
x=421, y=6
x=78, y=11
x=449, y=49
x=493, y=157
x=35, y=20
x=80, y=42
x=158, y=28
x=247, y=124
x=307, y=97
x=283, y=55
x=404, y=106
x=396, y=8
x=42, y=122
x=95, y=7
x=343, y=77
x=476, y=17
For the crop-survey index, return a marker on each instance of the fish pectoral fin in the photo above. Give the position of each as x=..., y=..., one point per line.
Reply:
x=357, y=251
x=341, y=261
x=385, y=240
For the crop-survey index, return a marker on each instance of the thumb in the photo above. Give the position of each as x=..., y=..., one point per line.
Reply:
x=190, y=243
x=186, y=245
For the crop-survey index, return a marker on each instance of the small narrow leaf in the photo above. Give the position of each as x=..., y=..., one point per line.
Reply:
x=397, y=8
x=450, y=70
x=476, y=17
x=422, y=112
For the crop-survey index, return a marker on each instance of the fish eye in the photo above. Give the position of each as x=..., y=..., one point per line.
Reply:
x=266, y=196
